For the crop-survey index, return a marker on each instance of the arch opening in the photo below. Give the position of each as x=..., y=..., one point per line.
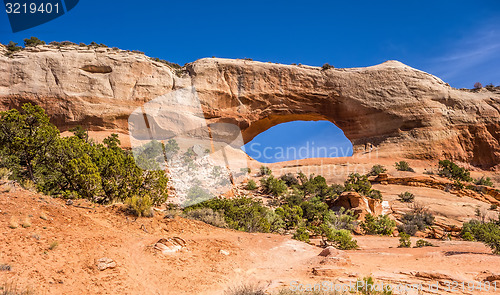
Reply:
x=298, y=140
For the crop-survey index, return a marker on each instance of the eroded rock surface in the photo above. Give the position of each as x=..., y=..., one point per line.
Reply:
x=393, y=108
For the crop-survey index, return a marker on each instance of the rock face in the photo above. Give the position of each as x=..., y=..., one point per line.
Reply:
x=397, y=110
x=360, y=205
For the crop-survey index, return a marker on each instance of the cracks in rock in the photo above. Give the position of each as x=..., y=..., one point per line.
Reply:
x=111, y=85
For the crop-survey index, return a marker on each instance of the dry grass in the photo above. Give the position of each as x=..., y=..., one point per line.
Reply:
x=246, y=289
x=13, y=289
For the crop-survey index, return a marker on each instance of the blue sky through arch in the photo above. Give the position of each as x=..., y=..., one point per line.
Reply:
x=299, y=140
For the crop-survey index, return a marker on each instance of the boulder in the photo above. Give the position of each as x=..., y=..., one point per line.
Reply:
x=358, y=204
x=105, y=263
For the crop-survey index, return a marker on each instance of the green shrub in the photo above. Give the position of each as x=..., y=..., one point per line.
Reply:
x=251, y=185
x=273, y=186
x=276, y=223
x=32, y=148
x=207, y=215
x=487, y=232
x=170, y=64
x=484, y=181
x=4, y=173
x=467, y=236
x=418, y=219
x=358, y=183
x=451, y=170
x=342, y=219
x=315, y=186
x=314, y=211
x=404, y=240
x=339, y=238
x=406, y=197
x=244, y=214
x=375, y=194
x=301, y=234
x=492, y=207
x=12, y=47
x=196, y=194
x=376, y=170
x=264, y=170
x=139, y=206
x=403, y=166
x=327, y=67
x=291, y=215
x=296, y=197
x=33, y=41
x=289, y=179
x=171, y=148
x=423, y=243
x=380, y=225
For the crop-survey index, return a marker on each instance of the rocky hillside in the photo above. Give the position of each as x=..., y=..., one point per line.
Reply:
x=399, y=110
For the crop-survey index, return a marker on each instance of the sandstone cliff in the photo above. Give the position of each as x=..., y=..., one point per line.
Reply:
x=399, y=110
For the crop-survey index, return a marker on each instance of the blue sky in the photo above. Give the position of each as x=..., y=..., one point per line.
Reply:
x=299, y=140
x=458, y=41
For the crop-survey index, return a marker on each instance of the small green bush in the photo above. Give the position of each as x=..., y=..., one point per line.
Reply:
x=251, y=185
x=273, y=186
x=404, y=240
x=486, y=232
x=289, y=179
x=33, y=41
x=406, y=197
x=197, y=194
x=140, y=206
x=403, y=166
x=264, y=170
x=242, y=213
x=492, y=207
x=12, y=47
x=423, y=243
x=207, y=215
x=5, y=173
x=314, y=211
x=418, y=219
x=380, y=225
x=342, y=219
x=301, y=234
x=375, y=194
x=291, y=215
x=339, y=238
x=451, y=170
x=484, y=181
x=358, y=183
x=170, y=64
x=327, y=66
x=467, y=236
x=376, y=170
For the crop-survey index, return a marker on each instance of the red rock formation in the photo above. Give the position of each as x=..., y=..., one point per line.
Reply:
x=399, y=110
